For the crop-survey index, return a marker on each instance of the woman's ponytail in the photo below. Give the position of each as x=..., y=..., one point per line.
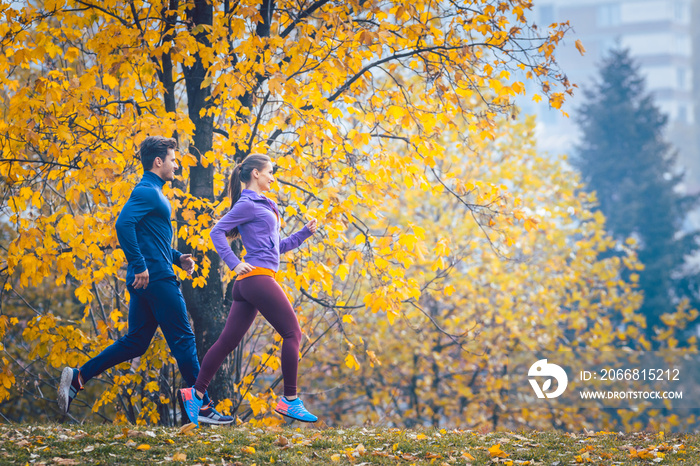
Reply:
x=234, y=186
x=241, y=173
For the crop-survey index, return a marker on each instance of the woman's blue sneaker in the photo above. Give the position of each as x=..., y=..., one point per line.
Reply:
x=190, y=404
x=295, y=409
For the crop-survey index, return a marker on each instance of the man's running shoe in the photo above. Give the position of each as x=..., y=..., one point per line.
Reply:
x=190, y=404
x=68, y=388
x=209, y=415
x=295, y=410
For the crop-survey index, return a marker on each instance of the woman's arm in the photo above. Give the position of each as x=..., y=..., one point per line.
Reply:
x=240, y=213
x=293, y=241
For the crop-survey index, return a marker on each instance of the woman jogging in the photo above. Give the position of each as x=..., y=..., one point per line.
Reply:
x=256, y=219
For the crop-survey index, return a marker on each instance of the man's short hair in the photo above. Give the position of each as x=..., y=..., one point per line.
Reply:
x=155, y=146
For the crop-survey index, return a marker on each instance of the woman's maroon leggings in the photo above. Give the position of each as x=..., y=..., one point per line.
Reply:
x=250, y=295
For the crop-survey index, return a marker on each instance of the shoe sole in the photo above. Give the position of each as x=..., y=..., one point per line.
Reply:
x=206, y=420
x=64, y=389
x=292, y=417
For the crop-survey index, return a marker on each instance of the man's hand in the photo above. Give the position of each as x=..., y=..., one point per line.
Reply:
x=187, y=263
x=312, y=226
x=141, y=280
x=243, y=268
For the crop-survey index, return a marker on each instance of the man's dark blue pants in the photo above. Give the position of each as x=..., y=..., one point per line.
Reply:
x=161, y=303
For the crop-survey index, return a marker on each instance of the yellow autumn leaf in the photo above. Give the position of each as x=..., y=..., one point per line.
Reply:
x=110, y=81
x=248, y=450
x=530, y=224
x=496, y=452
x=579, y=47
x=152, y=386
x=187, y=428
x=351, y=362
x=179, y=457
x=342, y=271
x=144, y=446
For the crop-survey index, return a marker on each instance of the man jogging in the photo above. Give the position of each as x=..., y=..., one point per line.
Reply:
x=145, y=234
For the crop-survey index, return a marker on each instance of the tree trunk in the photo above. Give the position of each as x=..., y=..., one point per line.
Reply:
x=205, y=305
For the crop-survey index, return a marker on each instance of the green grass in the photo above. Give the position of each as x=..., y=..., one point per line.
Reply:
x=246, y=445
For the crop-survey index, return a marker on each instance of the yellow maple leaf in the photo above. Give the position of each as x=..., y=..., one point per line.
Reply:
x=530, y=224
x=351, y=362
x=496, y=452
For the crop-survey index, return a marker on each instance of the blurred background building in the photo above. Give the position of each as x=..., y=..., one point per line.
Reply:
x=663, y=36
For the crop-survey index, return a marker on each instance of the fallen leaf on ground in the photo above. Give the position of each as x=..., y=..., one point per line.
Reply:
x=496, y=452
x=64, y=461
x=187, y=429
x=644, y=454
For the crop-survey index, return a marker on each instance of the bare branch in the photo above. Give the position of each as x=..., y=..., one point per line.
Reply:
x=303, y=15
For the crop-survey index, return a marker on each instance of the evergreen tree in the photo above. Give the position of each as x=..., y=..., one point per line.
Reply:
x=625, y=159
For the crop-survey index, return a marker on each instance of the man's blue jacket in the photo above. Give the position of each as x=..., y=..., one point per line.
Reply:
x=145, y=232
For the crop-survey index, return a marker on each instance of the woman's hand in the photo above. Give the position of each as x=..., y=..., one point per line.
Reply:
x=312, y=225
x=243, y=268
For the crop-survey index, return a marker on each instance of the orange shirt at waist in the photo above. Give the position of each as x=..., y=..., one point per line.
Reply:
x=257, y=271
